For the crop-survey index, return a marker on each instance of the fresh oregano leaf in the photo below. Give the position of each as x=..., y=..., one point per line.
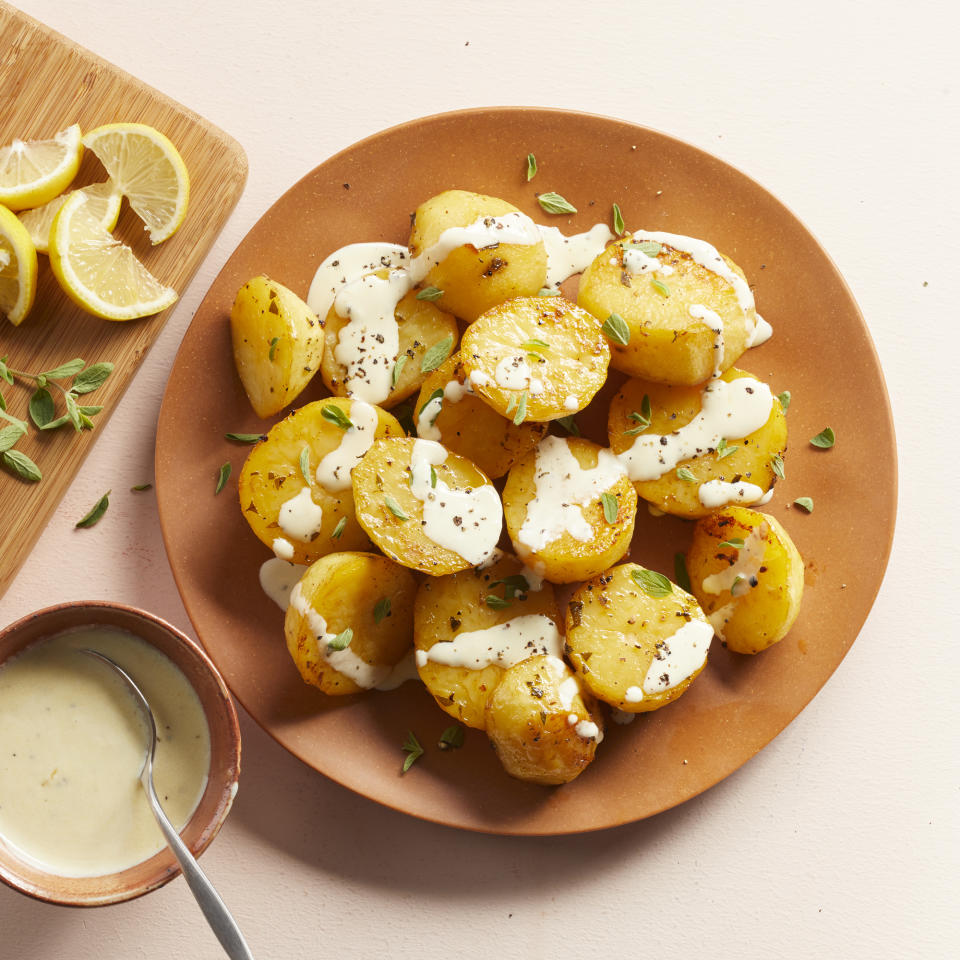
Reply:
x=684, y=474
x=22, y=465
x=338, y=529
x=397, y=367
x=245, y=437
x=521, y=413
x=611, y=507
x=652, y=583
x=222, y=477
x=140, y=487
x=412, y=749
x=617, y=220
x=59, y=422
x=642, y=419
x=336, y=416
x=430, y=293
x=433, y=478
x=273, y=349
x=436, y=354
x=394, y=507
x=554, y=203
x=784, y=399
x=73, y=411
x=724, y=449
x=41, y=407
x=660, y=287
x=825, y=439
x=531, y=167
x=382, y=609
x=569, y=424
x=96, y=512
x=91, y=378
x=776, y=465
x=9, y=435
x=436, y=395
x=90, y=411
x=805, y=503
x=452, y=737
x=68, y=369
x=735, y=542
x=548, y=292
x=341, y=641
x=305, y=464
x=534, y=345
x=615, y=328
x=497, y=603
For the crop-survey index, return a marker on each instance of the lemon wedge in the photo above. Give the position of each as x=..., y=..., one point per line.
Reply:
x=99, y=273
x=18, y=268
x=105, y=202
x=148, y=170
x=35, y=171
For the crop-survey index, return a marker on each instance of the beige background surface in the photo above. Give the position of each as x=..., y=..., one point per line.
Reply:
x=840, y=839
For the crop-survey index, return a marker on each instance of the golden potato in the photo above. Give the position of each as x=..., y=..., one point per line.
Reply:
x=748, y=576
x=277, y=344
x=425, y=507
x=536, y=358
x=702, y=469
x=462, y=676
x=450, y=412
x=683, y=322
x=473, y=267
x=300, y=517
x=570, y=509
x=421, y=326
x=636, y=639
x=350, y=622
x=542, y=723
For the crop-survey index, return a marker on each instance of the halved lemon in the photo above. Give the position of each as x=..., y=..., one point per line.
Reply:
x=105, y=201
x=18, y=268
x=33, y=172
x=148, y=170
x=99, y=273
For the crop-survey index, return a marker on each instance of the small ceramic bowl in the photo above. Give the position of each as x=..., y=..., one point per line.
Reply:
x=224, y=754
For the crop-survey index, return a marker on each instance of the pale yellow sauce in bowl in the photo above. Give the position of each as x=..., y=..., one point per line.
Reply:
x=75, y=825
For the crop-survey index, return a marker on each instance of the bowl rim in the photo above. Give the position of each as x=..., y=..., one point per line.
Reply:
x=165, y=867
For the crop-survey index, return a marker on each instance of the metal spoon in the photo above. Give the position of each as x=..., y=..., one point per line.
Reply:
x=214, y=909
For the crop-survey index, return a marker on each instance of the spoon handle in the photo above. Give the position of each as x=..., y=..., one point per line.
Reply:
x=214, y=909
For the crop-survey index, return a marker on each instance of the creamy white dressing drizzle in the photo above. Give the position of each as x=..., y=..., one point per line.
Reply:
x=504, y=644
x=454, y=391
x=720, y=618
x=427, y=420
x=483, y=234
x=278, y=578
x=363, y=674
x=562, y=488
x=300, y=518
x=762, y=332
x=333, y=471
x=282, y=548
x=718, y=493
x=588, y=730
x=741, y=575
x=368, y=344
x=514, y=373
x=677, y=658
x=636, y=261
x=347, y=264
x=467, y=521
x=567, y=256
x=571, y=403
x=730, y=410
x=713, y=320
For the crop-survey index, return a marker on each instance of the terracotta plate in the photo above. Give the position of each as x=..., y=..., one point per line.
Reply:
x=820, y=351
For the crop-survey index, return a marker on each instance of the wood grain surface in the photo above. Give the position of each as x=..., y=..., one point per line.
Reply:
x=47, y=82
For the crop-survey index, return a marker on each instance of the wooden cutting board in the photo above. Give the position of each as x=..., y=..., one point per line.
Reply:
x=47, y=83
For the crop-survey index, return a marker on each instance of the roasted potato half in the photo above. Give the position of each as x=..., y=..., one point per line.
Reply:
x=277, y=344
x=461, y=676
x=475, y=276
x=536, y=358
x=570, y=509
x=425, y=507
x=646, y=427
x=350, y=622
x=450, y=412
x=748, y=576
x=684, y=323
x=302, y=517
x=542, y=723
x=421, y=326
x=636, y=639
